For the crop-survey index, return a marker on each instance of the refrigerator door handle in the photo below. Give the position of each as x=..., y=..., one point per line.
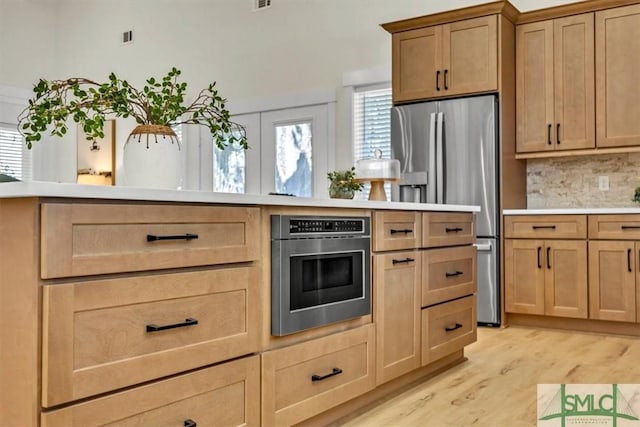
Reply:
x=440, y=184
x=431, y=174
x=483, y=246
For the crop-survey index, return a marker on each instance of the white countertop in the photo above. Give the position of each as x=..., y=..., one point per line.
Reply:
x=51, y=189
x=577, y=211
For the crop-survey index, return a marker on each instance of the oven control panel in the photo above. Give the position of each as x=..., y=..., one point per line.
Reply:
x=326, y=226
x=292, y=227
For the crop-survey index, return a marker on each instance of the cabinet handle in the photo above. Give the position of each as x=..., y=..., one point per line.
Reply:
x=438, y=80
x=190, y=423
x=457, y=273
x=153, y=237
x=189, y=321
x=548, y=257
x=333, y=373
x=402, y=261
x=446, y=87
x=629, y=227
x=452, y=328
x=538, y=227
x=629, y=260
x=405, y=231
x=539, y=249
x=549, y=134
x=558, y=133
x=452, y=230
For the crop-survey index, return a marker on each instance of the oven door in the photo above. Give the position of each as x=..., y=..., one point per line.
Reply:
x=318, y=281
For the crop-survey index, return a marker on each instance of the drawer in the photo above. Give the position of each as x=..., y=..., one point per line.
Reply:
x=546, y=226
x=447, y=229
x=85, y=239
x=103, y=335
x=223, y=395
x=306, y=379
x=395, y=230
x=448, y=274
x=614, y=227
x=448, y=327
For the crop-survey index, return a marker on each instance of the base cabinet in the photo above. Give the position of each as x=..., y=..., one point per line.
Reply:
x=613, y=276
x=396, y=290
x=223, y=395
x=306, y=379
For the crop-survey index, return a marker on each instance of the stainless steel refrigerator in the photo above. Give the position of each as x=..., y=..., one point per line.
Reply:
x=448, y=154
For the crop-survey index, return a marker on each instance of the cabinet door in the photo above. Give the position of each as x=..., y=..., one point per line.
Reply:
x=612, y=287
x=574, y=99
x=397, y=313
x=534, y=87
x=416, y=64
x=618, y=76
x=565, y=283
x=470, y=56
x=524, y=276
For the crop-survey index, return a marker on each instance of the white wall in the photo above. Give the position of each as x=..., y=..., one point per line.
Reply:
x=293, y=47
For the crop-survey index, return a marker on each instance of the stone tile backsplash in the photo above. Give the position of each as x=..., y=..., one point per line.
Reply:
x=572, y=182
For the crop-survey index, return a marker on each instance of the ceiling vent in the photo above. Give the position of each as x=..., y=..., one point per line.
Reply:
x=127, y=37
x=261, y=4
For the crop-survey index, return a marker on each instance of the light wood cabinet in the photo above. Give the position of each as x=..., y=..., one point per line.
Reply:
x=617, y=39
x=306, y=379
x=445, y=60
x=448, y=274
x=555, y=84
x=396, y=230
x=546, y=277
x=448, y=327
x=87, y=239
x=613, y=274
x=223, y=395
x=447, y=229
x=103, y=335
x=396, y=290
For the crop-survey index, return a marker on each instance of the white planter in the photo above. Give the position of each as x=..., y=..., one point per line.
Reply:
x=152, y=158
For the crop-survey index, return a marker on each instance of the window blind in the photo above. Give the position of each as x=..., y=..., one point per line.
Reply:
x=371, y=127
x=15, y=158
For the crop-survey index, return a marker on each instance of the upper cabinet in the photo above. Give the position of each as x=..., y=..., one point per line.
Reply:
x=555, y=84
x=445, y=60
x=618, y=76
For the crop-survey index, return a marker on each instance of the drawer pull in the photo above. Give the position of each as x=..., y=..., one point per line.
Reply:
x=405, y=231
x=539, y=227
x=452, y=328
x=333, y=373
x=190, y=423
x=630, y=227
x=402, y=261
x=187, y=322
x=452, y=230
x=153, y=238
x=457, y=273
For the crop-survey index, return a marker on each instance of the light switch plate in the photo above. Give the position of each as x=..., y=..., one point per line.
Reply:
x=603, y=183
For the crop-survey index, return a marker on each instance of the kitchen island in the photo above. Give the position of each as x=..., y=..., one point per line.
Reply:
x=123, y=305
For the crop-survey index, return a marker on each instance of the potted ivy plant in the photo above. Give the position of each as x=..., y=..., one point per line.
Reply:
x=157, y=106
x=342, y=184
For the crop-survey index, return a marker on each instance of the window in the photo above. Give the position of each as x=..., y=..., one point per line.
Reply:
x=372, y=127
x=228, y=169
x=15, y=158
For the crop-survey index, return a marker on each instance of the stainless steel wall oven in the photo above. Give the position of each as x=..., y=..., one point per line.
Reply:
x=320, y=271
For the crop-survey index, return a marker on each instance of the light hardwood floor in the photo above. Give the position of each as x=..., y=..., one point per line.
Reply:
x=496, y=387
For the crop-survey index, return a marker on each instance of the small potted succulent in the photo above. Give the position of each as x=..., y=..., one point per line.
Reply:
x=343, y=184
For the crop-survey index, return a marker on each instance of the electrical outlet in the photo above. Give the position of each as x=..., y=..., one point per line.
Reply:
x=603, y=183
